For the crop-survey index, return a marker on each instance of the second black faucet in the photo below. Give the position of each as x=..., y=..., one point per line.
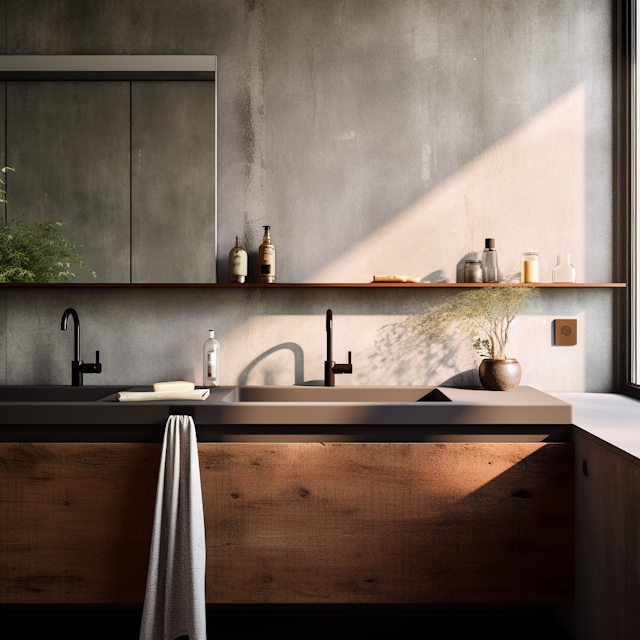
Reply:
x=330, y=367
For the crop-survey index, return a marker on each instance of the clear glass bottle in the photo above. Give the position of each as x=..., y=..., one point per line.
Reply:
x=473, y=271
x=238, y=263
x=489, y=261
x=211, y=373
x=267, y=258
x=530, y=267
x=564, y=271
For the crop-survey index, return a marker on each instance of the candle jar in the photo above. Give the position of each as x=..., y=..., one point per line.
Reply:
x=473, y=271
x=529, y=263
x=564, y=271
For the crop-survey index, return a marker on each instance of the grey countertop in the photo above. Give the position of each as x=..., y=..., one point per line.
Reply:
x=612, y=418
x=274, y=414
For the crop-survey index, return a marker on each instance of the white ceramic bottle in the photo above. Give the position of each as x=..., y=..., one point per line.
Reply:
x=238, y=263
x=211, y=373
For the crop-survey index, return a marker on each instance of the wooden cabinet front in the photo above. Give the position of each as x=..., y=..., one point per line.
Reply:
x=297, y=523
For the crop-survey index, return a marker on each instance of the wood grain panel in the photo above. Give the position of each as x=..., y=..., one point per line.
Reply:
x=358, y=523
x=69, y=145
x=76, y=521
x=296, y=523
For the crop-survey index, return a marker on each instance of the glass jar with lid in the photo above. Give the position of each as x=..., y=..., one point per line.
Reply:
x=530, y=267
x=473, y=271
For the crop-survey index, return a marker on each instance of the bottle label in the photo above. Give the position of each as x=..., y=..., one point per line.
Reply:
x=268, y=251
x=265, y=268
x=211, y=365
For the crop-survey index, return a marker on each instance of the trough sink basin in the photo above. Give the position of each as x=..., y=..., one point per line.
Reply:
x=55, y=393
x=334, y=394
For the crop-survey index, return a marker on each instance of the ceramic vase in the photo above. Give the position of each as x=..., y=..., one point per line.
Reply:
x=500, y=375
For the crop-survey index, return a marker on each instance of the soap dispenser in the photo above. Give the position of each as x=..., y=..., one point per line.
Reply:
x=211, y=374
x=267, y=258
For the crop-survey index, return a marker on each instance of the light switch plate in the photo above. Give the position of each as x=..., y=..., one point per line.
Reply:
x=566, y=332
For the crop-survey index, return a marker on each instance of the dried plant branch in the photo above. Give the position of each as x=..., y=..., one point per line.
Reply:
x=489, y=311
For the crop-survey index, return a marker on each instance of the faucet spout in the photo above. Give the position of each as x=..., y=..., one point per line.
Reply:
x=77, y=366
x=76, y=326
x=330, y=367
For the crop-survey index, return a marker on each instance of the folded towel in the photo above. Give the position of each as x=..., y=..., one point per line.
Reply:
x=154, y=396
x=395, y=279
x=179, y=385
x=174, y=602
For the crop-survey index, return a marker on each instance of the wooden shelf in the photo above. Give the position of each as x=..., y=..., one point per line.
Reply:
x=329, y=285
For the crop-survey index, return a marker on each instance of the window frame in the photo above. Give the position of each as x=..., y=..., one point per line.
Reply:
x=624, y=189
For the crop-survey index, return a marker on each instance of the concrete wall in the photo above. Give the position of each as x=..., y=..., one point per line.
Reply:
x=374, y=137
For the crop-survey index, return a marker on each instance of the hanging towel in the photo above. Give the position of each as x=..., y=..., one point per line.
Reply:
x=174, y=602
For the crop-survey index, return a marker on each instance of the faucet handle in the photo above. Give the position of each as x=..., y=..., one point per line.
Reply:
x=97, y=357
x=349, y=360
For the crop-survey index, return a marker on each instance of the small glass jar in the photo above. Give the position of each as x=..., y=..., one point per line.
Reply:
x=473, y=271
x=530, y=267
x=564, y=271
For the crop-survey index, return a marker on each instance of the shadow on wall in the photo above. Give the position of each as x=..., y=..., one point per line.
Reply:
x=408, y=358
x=298, y=356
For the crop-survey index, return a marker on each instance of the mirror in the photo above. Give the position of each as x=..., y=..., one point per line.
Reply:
x=127, y=166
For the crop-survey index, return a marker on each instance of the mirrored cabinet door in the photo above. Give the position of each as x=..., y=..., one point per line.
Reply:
x=69, y=145
x=128, y=168
x=173, y=182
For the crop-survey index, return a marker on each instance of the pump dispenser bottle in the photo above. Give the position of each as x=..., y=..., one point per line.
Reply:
x=490, y=261
x=267, y=258
x=211, y=373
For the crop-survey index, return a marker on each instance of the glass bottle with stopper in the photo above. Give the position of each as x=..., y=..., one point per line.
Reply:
x=238, y=263
x=267, y=258
x=564, y=271
x=490, y=261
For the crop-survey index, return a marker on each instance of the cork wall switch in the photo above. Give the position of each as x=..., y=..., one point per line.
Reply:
x=566, y=332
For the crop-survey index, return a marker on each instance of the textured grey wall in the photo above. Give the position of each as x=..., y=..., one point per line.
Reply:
x=374, y=137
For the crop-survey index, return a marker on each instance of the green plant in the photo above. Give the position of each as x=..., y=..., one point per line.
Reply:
x=35, y=253
x=483, y=347
x=488, y=311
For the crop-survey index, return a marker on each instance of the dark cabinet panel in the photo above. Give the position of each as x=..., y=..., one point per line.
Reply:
x=173, y=182
x=69, y=144
x=607, y=543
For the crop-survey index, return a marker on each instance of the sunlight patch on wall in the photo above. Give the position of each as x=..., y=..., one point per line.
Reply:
x=527, y=191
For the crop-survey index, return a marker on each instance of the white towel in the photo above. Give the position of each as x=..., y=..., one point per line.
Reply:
x=174, y=602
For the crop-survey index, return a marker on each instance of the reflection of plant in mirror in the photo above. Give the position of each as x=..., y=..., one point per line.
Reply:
x=35, y=253
x=3, y=193
x=489, y=311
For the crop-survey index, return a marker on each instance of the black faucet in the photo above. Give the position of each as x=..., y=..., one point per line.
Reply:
x=330, y=367
x=77, y=366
